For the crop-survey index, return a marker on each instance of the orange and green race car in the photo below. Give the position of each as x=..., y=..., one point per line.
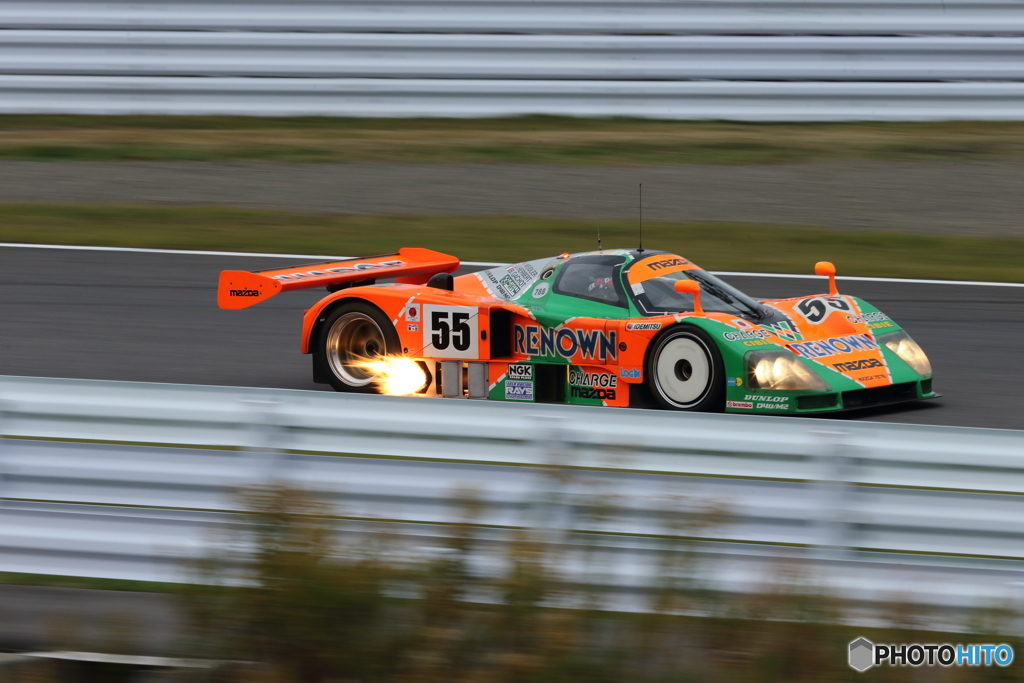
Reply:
x=615, y=327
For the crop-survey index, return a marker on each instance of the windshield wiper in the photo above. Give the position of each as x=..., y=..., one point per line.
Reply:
x=729, y=299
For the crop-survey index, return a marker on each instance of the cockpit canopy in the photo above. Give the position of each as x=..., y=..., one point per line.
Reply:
x=595, y=277
x=651, y=282
x=616, y=277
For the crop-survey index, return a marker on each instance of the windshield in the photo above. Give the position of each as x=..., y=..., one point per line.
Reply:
x=657, y=296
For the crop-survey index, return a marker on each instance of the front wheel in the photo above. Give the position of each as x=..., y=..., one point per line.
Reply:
x=352, y=335
x=685, y=371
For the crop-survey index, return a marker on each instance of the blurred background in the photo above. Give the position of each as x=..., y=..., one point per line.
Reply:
x=246, y=530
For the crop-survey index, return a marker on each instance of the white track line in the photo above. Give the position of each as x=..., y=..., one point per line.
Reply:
x=193, y=252
x=321, y=257
x=183, y=252
x=857, y=278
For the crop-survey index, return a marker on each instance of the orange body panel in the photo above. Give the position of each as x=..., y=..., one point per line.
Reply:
x=658, y=265
x=835, y=317
x=406, y=306
x=241, y=289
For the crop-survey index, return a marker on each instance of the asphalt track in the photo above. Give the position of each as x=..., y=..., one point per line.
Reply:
x=152, y=317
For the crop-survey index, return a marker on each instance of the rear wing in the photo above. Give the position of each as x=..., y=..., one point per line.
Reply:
x=241, y=289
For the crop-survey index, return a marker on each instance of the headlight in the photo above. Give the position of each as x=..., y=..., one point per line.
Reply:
x=909, y=352
x=781, y=370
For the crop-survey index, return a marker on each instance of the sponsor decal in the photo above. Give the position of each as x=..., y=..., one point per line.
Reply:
x=412, y=313
x=413, y=327
x=768, y=402
x=784, y=330
x=852, y=365
x=632, y=373
x=582, y=378
x=341, y=270
x=758, y=342
x=516, y=390
x=540, y=290
x=450, y=331
x=817, y=308
x=243, y=292
x=734, y=381
x=654, y=266
x=643, y=326
x=835, y=346
x=521, y=371
x=874, y=321
x=537, y=340
x=745, y=334
x=667, y=263
x=593, y=393
x=875, y=317
x=516, y=279
x=770, y=399
x=637, y=288
x=753, y=401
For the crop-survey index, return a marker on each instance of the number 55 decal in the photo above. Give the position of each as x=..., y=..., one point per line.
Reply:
x=818, y=308
x=450, y=331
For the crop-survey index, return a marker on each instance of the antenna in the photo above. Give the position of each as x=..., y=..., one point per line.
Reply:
x=599, y=239
x=640, y=250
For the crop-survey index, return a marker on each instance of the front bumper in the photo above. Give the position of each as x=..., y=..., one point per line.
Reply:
x=795, y=403
x=859, y=399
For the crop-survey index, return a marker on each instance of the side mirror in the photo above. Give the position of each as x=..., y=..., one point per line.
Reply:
x=826, y=268
x=690, y=287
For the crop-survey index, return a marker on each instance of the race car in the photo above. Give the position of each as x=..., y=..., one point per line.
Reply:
x=613, y=328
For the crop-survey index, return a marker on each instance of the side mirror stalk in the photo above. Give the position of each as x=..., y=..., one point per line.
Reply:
x=826, y=268
x=691, y=287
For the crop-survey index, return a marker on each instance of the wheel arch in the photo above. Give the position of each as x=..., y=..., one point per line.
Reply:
x=693, y=321
x=315, y=317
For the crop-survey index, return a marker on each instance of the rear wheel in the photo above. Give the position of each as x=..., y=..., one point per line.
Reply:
x=685, y=371
x=353, y=334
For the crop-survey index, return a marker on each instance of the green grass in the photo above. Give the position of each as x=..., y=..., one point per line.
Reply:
x=529, y=139
x=54, y=581
x=714, y=246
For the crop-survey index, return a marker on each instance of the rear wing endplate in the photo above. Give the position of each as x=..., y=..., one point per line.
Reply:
x=241, y=289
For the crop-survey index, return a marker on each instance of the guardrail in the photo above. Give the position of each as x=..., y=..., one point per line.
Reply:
x=779, y=17
x=771, y=61
x=736, y=100
x=870, y=510
x=512, y=57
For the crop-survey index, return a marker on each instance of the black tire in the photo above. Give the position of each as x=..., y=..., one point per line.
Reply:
x=681, y=355
x=352, y=332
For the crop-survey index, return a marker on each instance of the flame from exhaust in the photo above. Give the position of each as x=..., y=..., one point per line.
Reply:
x=395, y=375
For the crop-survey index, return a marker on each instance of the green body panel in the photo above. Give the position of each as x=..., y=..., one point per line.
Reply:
x=553, y=309
x=498, y=392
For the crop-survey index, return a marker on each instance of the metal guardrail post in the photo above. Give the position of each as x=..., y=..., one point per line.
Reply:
x=835, y=494
x=550, y=508
x=266, y=441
